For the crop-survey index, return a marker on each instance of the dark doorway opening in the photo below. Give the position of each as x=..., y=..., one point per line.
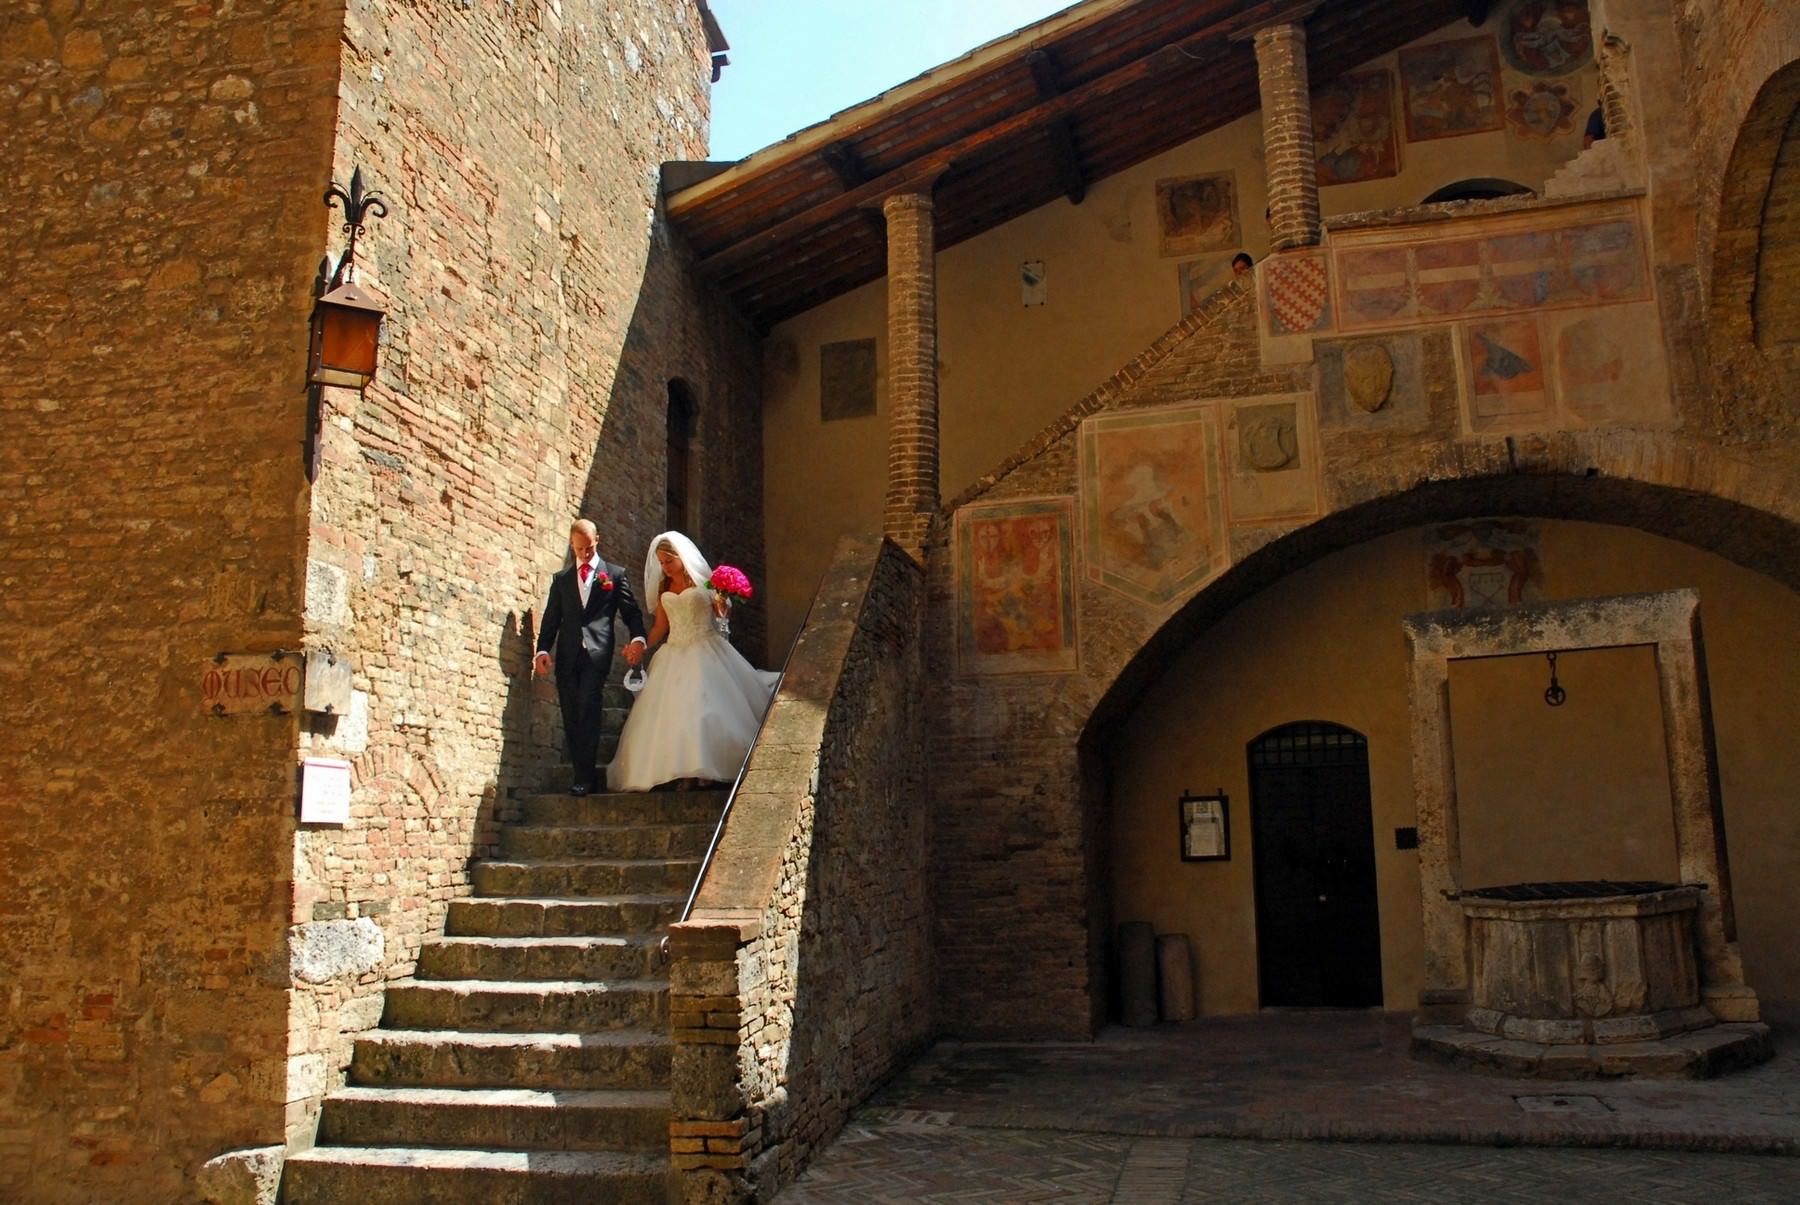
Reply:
x=682, y=412
x=1318, y=928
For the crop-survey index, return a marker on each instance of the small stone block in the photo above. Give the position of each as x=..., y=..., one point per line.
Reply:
x=685, y=1146
x=1486, y=1020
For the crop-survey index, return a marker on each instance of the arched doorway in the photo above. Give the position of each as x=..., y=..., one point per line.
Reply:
x=1318, y=928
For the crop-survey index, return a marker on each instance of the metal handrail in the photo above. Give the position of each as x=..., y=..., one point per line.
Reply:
x=712, y=846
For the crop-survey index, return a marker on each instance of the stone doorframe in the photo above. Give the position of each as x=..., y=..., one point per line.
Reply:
x=1667, y=621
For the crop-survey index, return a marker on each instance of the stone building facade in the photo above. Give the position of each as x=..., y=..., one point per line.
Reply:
x=955, y=816
x=167, y=215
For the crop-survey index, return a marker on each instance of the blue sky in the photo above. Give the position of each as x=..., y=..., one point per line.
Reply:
x=796, y=62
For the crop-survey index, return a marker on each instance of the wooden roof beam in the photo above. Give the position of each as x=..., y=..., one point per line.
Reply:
x=1186, y=55
x=1048, y=78
x=848, y=167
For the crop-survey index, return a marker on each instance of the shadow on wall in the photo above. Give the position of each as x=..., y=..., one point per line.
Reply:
x=528, y=727
x=680, y=330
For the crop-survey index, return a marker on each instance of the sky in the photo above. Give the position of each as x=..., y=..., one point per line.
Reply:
x=796, y=62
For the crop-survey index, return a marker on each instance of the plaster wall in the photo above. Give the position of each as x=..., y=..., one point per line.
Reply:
x=1008, y=369
x=1574, y=792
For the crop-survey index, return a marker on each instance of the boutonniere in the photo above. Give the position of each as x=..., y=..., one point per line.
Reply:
x=604, y=582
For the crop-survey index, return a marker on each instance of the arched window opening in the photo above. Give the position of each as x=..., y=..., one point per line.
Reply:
x=1483, y=188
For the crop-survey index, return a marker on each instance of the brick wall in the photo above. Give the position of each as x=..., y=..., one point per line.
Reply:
x=538, y=308
x=802, y=980
x=160, y=232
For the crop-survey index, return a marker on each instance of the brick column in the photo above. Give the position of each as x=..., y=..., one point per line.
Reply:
x=912, y=493
x=1288, y=156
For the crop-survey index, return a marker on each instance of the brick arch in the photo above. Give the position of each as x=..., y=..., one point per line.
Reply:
x=1756, y=252
x=1688, y=493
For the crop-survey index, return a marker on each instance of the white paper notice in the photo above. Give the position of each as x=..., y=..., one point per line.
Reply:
x=324, y=790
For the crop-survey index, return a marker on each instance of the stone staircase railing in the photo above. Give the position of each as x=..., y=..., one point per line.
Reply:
x=804, y=975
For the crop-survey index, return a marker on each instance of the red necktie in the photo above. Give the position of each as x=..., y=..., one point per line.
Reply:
x=585, y=570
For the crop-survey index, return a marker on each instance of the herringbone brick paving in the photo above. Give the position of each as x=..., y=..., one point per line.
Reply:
x=875, y=1164
x=1140, y=1116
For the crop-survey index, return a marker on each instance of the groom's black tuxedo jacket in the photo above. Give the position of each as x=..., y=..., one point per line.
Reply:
x=566, y=621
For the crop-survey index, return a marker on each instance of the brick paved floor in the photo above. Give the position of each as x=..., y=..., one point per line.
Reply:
x=1138, y=1116
x=890, y=1163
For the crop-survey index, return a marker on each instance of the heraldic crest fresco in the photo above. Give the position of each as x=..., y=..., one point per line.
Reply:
x=1015, y=587
x=1152, y=518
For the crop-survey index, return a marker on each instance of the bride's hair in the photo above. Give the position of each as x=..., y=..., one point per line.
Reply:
x=678, y=545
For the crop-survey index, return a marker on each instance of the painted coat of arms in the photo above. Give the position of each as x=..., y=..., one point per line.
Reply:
x=1015, y=588
x=1152, y=523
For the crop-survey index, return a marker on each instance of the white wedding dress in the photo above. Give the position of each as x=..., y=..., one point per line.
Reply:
x=700, y=706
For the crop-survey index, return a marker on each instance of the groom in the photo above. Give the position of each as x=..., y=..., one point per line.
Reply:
x=578, y=623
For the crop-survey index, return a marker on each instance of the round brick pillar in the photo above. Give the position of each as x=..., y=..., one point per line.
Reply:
x=912, y=493
x=1288, y=155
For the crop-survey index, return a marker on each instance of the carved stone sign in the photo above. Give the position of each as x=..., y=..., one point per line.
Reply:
x=238, y=683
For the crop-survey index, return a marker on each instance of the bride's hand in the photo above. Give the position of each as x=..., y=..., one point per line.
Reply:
x=722, y=606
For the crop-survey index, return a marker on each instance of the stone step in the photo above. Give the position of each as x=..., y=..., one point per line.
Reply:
x=563, y=916
x=498, y=1119
x=620, y=1058
x=584, y=877
x=546, y=1006
x=643, y=840
x=374, y=1175
x=625, y=807
x=529, y=958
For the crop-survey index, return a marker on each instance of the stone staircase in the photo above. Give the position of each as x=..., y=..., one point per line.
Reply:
x=1607, y=166
x=528, y=1059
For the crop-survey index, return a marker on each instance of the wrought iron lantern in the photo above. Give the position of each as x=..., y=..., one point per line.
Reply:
x=346, y=319
x=346, y=326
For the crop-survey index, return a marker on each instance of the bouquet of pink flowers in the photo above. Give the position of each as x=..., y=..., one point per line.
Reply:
x=730, y=582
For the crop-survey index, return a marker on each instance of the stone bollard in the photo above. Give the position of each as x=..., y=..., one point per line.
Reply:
x=1137, y=973
x=1175, y=973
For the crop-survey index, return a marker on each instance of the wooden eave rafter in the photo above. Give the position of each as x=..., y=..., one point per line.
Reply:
x=1010, y=127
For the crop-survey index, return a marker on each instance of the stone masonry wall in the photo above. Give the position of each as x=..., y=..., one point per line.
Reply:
x=805, y=976
x=1741, y=60
x=161, y=227
x=537, y=310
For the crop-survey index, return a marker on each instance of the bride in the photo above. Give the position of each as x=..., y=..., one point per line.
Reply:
x=701, y=704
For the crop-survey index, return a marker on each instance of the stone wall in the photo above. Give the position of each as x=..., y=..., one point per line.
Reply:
x=1742, y=71
x=161, y=228
x=537, y=310
x=804, y=977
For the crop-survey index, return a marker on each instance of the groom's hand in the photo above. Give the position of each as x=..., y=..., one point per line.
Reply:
x=541, y=663
x=634, y=653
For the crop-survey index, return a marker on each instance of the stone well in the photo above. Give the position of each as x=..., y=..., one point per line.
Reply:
x=1587, y=980
x=1571, y=963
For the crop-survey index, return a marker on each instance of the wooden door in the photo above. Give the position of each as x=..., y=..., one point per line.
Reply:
x=1318, y=928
